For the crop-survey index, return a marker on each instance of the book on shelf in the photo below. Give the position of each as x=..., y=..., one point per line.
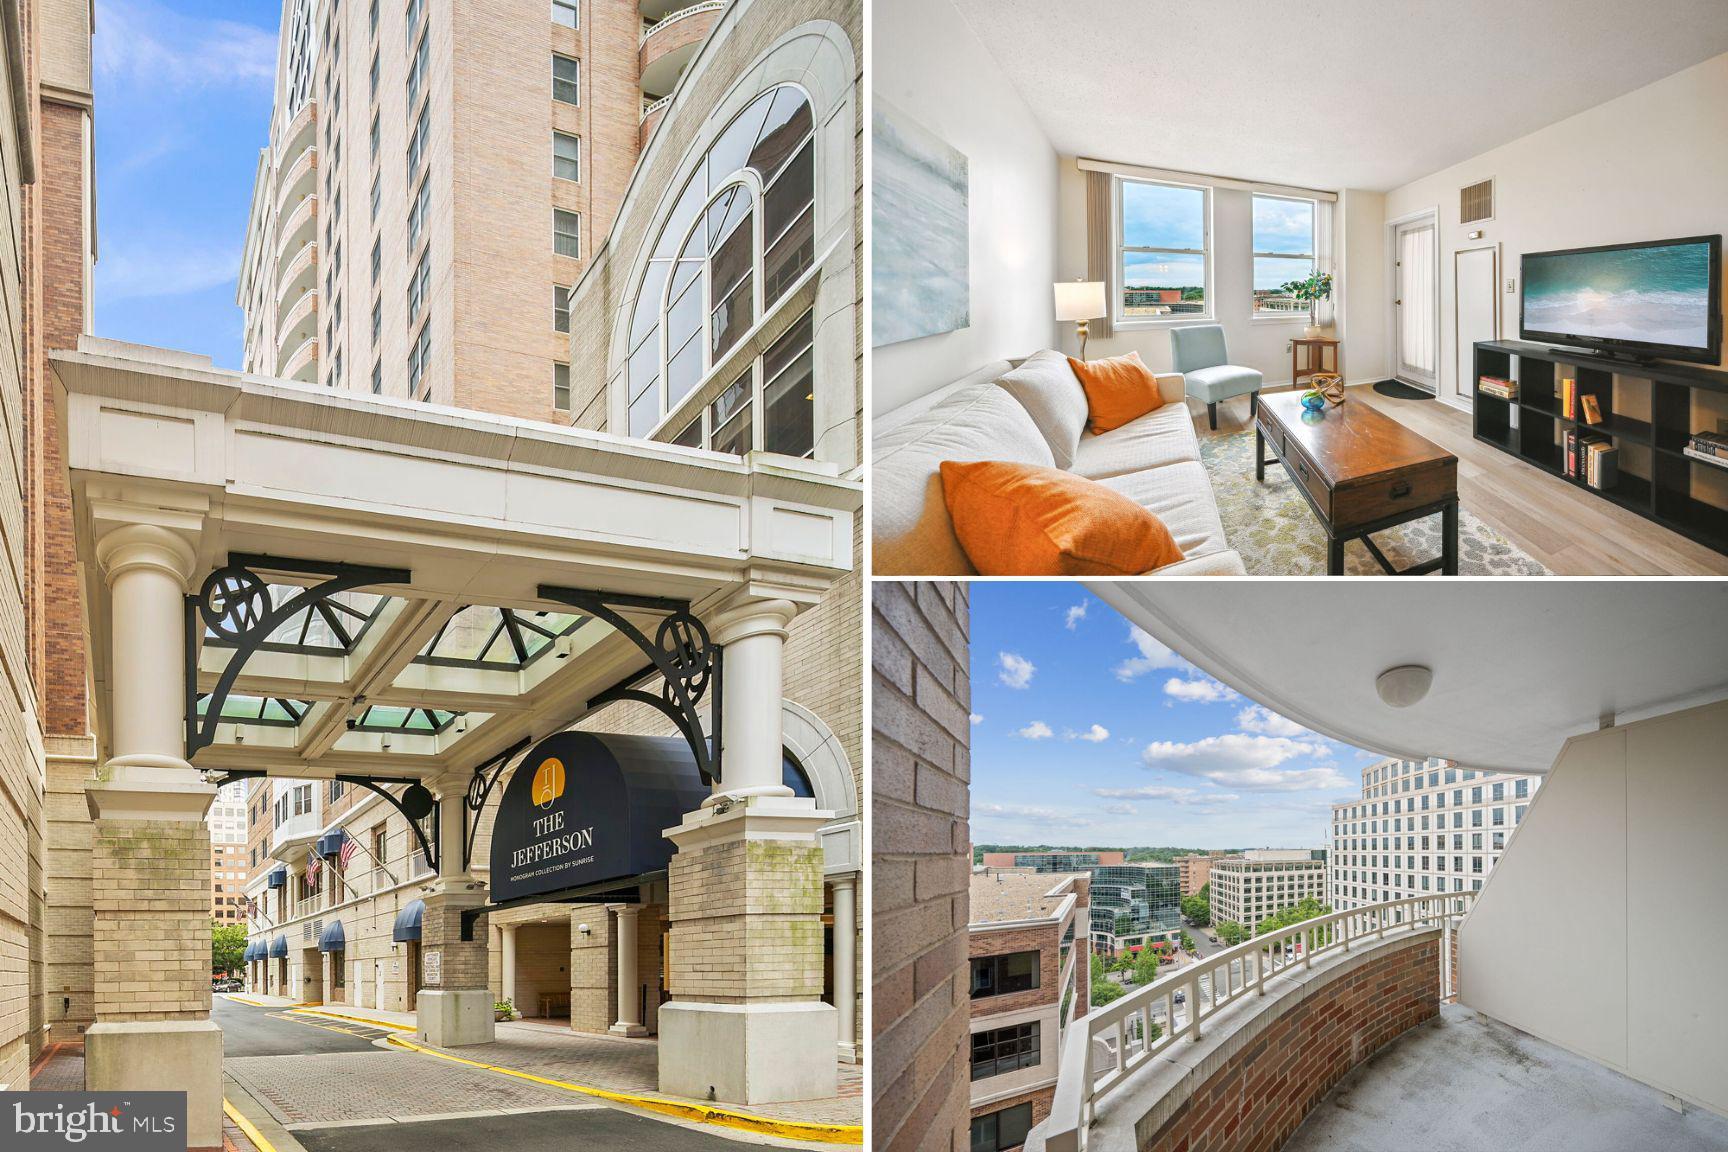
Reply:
x=1712, y=443
x=1603, y=465
x=1568, y=390
x=1498, y=387
x=1718, y=459
x=1592, y=408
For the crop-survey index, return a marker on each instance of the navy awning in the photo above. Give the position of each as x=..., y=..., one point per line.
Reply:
x=330, y=843
x=278, y=877
x=279, y=948
x=332, y=938
x=408, y=921
x=251, y=952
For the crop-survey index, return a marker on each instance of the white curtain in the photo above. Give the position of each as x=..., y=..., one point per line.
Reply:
x=1416, y=338
x=1324, y=261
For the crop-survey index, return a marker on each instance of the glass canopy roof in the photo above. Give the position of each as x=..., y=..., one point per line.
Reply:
x=483, y=636
x=274, y=711
x=329, y=628
x=394, y=718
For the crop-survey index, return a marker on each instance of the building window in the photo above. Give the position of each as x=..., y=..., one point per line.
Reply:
x=417, y=214
x=1164, y=257
x=566, y=80
x=372, y=19
x=417, y=284
x=417, y=70
x=1283, y=253
x=564, y=13
x=377, y=377
x=1000, y=975
x=377, y=259
x=1000, y=1131
x=566, y=228
x=561, y=387
x=419, y=356
x=1000, y=1050
x=417, y=141
x=412, y=19
x=377, y=194
x=379, y=847
x=560, y=308
x=372, y=139
x=377, y=323
x=372, y=86
x=717, y=270
x=566, y=157
x=729, y=423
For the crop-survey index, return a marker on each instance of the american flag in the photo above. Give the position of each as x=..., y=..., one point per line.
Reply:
x=349, y=847
x=251, y=906
x=312, y=865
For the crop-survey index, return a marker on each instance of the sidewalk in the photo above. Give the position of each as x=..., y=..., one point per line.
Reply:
x=60, y=1068
x=611, y=1064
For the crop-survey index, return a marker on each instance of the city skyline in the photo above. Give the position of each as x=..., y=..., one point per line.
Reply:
x=1151, y=751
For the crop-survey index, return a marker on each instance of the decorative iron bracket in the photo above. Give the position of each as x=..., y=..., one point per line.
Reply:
x=480, y=786
x=417, y=805
x=234, y=603
x=686, y=660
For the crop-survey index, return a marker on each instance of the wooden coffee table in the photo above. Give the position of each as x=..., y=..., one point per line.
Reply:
x=1361, y=472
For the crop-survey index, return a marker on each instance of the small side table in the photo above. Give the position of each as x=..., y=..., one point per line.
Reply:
x=1302, y=367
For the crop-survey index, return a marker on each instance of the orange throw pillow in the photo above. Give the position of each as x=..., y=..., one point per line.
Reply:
x=1118, y=390
x=1024, y=520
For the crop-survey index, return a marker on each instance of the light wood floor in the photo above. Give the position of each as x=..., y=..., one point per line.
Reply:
x=1570, y=531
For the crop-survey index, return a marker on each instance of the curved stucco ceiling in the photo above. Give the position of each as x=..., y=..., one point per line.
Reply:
x=1518, y=667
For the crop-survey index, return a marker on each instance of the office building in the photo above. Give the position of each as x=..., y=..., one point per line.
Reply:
x=1251, y=887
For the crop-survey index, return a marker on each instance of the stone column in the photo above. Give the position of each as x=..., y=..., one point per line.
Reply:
x=507, y=962
x=846, y=965
x=455, y=1007
x=747, y=1023
x=629, y=1022
x=150, y=852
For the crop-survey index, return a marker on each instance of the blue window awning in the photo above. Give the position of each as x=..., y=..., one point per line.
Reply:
x=251, y=952
x=278, y=877
x=408, y=921
x=330, y=843
x=332, y=938
x=279, y=948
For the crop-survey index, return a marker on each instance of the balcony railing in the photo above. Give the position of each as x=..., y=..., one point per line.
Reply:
x=682, y=14
x=1178, y=1005
x=653, y=106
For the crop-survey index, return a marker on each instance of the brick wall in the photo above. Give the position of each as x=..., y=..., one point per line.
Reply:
x=1045, y=941
x=1039, y=1097
x=1261, y=1094
x=745, y=921
x=152, y=907
x=593, y=971
x=920, y=768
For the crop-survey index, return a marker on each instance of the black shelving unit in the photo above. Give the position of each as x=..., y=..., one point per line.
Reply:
x=1656, y=477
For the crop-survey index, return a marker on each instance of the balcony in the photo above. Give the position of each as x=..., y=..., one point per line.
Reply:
x=300, y=133
x=293, y=833
x=298, y=181
x=298, y=322
x=300, y=227
x=302, y=363
x=300, y=274
x=668, y=45
x=653, y=111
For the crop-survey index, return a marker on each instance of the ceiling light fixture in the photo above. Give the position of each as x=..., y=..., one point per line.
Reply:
x=1404, y=685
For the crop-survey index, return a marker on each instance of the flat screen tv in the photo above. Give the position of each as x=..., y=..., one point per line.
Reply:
x=1655, y=300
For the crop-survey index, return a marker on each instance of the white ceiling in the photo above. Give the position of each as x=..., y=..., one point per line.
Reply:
x=1518, y=666
x=1328, y=93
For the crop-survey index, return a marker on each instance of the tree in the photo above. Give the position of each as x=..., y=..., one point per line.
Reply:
x=1123, y=963
x=227, y=947
x=1105, y=991
x=1097, y=970
x=1187, y=942
x=1197, y=910
x=1145, y=967
x=1231, y=932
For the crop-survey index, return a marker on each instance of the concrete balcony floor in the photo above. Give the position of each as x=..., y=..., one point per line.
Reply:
x=1464, y=1082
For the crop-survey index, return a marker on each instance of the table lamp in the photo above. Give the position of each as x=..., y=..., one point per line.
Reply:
x=1080, y=301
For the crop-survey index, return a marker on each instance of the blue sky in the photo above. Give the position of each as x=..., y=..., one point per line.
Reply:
x=1086, y=730
x=1162, y=216
x=183, y=94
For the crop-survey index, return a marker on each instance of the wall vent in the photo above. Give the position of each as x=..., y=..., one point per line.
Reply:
x=1476, y=203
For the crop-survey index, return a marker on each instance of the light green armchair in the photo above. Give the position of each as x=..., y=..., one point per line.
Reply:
x=1198, y=353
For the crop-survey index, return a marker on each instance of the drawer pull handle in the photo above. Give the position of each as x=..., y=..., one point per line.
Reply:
x=1400, y=489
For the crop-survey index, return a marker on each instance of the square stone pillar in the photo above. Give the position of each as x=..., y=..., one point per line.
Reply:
x=747, y=1023
x=455, y=1006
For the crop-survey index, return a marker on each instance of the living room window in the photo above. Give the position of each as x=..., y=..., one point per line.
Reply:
x=1163, y=252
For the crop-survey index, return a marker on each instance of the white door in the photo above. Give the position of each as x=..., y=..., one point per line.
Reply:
x=1416, y=347
x=378, y=984
x=1477, y=272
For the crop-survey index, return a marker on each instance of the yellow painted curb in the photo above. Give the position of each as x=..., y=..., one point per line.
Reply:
x=789, y=1129
x=366, y=1020
x=246, y=1126
x=243, y=1000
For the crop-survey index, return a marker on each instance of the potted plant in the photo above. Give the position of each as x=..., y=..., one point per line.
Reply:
x=503, y=1010
x=1317, y=287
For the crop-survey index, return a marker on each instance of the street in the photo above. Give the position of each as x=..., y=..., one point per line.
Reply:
x=334, y=1087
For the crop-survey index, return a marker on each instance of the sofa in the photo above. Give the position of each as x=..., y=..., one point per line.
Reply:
x=1033, y=411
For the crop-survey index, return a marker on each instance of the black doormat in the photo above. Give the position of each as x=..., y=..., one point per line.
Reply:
x=1399, y=390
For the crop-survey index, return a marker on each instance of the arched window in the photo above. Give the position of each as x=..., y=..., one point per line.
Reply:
x=792, y=776
x=740, y=235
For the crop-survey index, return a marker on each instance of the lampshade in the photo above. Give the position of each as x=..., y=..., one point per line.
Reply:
x=1080, y=300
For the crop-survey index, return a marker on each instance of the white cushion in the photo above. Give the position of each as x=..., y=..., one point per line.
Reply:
x=1047, y=388
x=1179, y=494
x=1163, y=436
x=911, y=532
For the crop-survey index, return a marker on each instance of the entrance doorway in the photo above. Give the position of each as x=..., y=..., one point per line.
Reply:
x=1415, y=302
x=1476, y=316
x=338, y=978
x=411, y=993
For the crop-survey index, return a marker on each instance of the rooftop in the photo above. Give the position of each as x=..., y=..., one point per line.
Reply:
x=1004, y=897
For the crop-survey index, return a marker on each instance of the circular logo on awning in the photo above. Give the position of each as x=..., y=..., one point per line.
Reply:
x=548, y=782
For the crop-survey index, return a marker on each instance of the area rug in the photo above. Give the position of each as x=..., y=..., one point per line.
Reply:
x=1271, y=526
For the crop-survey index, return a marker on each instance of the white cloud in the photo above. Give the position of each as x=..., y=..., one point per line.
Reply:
x=1096, y=734
x=1152, y=655
x=1266, y=722
x=1121, y=808
x=162, y=267
x=976, y=719
x=142, y=43
x=1037, y=730
x=1253, y=763
x=1166, y=793
x=1076, y=614
x=1049, y=817
x=1198, y=690
x=1016, y=670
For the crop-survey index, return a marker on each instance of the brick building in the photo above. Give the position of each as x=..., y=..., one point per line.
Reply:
x=1030, y=975
x=1196, y=870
